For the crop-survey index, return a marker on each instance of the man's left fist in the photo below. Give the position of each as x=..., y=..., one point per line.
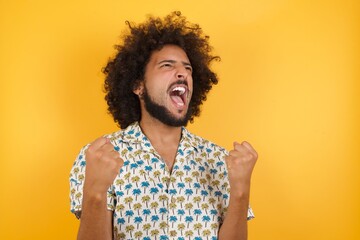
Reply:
x=240, y=163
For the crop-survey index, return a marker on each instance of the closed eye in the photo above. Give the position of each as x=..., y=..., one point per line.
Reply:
x=189, y=68
x=166, y=65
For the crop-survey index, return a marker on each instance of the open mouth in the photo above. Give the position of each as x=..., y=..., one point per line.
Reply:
x=178, y=95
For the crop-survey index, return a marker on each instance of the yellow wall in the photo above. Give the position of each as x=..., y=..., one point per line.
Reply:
x=289, y=85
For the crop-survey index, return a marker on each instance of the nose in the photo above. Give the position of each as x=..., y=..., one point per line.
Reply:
x=181, y=73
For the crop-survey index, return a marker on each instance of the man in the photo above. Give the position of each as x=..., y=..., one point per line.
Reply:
x=153, y=179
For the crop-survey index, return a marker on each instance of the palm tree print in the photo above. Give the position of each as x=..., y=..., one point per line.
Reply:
x=130, y=229
x=146, y=212
x=206, y=233
x=128, y=200
x=154, y=219
x=197, y=200
x=146, y=228
x=128, y=187
x=76, y=171
x=214, y=213
x=189, y=206
x=136, y=192
x=119, y=207
x=197, y=186
x=198, y=227
x=172, y=207
x=138, y=234
x=164, y=237
x=137, y=207
x=214, y=227
x=188, y=219
x=121, y=221
x=145, y=185
x=206, y=219
x=163, y=226
x=205, y=207
x=173, y=219
x=179, y=174
x=154, y=191
x=195, y=175
x=189, y=234
x=135, y=180
x=188, y=180
x=173, y=233
x=145, y=199
x=119, y=182
x=188, y=192
x=81, y=178
x=129, y=214
x=163, y=212
x=154, y=232
x=138, y=220
x=78, y=196
x=163, y=198
x=154, y=205
x=180, y=200
x=149, y=201
x=211, y=162
x=197, y=213
x=157, y=174
x=180, y=185
x=181, y=213
x=181, y=227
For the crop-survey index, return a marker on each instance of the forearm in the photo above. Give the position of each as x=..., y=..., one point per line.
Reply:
x=240, y=163
x=234, y=226
x=96, y=220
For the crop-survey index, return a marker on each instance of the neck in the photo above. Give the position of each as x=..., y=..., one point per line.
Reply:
x=160, y=133
x=165, y=139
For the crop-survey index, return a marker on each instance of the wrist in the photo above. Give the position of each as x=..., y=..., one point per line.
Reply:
x=94, y=194
x=239, y=196
x=240, y=193
x=95, y=187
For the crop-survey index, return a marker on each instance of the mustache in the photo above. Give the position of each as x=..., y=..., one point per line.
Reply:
x=179, y=82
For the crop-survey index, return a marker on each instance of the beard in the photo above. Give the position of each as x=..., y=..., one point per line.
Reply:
x=162, y=114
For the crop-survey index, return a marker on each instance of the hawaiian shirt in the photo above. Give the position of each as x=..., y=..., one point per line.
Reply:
x=149, y=201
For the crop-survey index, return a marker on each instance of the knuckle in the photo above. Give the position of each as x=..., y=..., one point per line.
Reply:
x=90, y=149
x=98, y=154
x=233, y=153
x=248, y=158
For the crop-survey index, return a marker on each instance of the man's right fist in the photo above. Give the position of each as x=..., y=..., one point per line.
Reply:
x=103, y=164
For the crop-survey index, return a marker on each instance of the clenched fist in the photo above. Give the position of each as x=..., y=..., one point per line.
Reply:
x=102, y=165
x=240, y=163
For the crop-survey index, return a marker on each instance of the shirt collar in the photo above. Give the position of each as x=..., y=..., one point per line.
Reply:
x=133, y=134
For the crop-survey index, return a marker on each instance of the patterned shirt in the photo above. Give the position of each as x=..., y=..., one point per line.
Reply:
x=149, y=201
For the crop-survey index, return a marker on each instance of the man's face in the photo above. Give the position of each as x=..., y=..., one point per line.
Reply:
x=168, y=86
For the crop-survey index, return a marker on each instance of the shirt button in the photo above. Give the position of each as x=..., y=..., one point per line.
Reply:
x=173, y=199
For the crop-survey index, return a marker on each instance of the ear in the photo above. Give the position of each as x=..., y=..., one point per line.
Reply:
x=139, y=89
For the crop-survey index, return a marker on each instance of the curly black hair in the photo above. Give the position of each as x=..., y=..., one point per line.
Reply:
x=126, y=70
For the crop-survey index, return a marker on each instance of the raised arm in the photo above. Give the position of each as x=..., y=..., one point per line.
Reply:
x=102, y=166
x=240, y=164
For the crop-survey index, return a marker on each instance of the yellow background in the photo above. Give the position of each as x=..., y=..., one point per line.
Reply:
x=289, y=85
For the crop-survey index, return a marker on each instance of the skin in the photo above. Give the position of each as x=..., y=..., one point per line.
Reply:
x=165, y=67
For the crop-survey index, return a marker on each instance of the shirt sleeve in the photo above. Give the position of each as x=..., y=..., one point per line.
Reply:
x=250, y=214
x=77, y=178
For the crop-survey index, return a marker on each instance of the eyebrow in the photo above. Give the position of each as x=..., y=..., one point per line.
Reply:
x=173, y=61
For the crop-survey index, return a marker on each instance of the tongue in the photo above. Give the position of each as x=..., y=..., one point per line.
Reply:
x=178, y=100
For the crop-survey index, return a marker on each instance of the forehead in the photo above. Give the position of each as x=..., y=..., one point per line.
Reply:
x=169, y=52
